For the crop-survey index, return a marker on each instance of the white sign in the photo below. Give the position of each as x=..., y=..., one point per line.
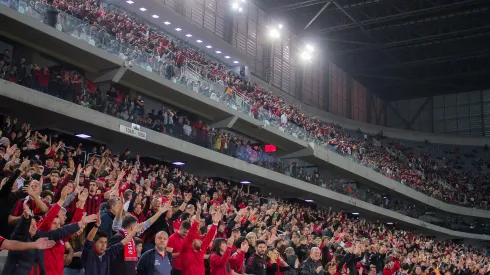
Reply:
x=132, y=132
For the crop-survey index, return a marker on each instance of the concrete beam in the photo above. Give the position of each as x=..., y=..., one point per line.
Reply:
x=225, y=123
x=307, y=152
x=112, y=75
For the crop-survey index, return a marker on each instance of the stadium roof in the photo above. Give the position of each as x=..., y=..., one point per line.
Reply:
x=399, y=48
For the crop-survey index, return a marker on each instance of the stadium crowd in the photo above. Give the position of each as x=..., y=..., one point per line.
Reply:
x=111, y=213
x=136, y=41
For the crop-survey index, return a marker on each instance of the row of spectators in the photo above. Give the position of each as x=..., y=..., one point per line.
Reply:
x=169, y=120
x=118, y=214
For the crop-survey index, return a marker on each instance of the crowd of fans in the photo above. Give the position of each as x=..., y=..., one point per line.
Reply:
x=139, y=42
x=109, y=213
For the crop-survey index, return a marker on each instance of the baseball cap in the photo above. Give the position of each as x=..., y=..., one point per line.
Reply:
x=4, y=140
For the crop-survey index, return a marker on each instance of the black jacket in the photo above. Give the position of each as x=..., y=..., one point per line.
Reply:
x=256, y=265
x=21, y=262
x=147, y=263
x=379, y=261
x=350, y=260
x=308, y=267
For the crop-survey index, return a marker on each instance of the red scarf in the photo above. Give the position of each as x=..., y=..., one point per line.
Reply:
x=130, y=254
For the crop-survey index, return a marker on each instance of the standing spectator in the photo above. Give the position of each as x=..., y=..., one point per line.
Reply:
x=312, y=265
x=126, y=261
x=157, y=260
x=195, y=245
x=220, y=254
x=257, y=263
x=107, y=216
x=96, y=257
x=175, y=243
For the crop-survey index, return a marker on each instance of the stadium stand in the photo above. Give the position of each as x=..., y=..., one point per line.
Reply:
x=42, y=173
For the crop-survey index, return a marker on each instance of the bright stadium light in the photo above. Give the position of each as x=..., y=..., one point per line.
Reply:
x=188, y=35
x=274, y=33
x=178, y=29
x=155, y=16
x=129, y=2
x=142, y=9
x=305, y=56
x=280, y=26
x=240, y=9
x=235, y=6
x=166, y=23
x=309, y=48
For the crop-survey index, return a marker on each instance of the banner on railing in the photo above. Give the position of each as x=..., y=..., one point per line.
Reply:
x=132, y=131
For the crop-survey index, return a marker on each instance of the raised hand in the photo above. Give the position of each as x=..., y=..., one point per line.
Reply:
x=230, y=242
x=165, y=207
x=11, y=150
x=65, y=192
x=217, y=216
x=137, y=228
x=88, y=219
x=28, y=190
x=83, y=195
x=44, y=243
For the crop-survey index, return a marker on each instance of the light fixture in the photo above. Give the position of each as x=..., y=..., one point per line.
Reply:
x=130, y=2
x=273, y=33
x=209, y=46
x=245, y=182
x=143, y=9
x=355, y=213
x=308, y=200
x=199, y=41
x=227, y=57
x=155, y=16
x=178, y=29
x=305, y=56
x=384, y=197
x=166, y=23
x=309, y=48
x=389, y=223
x=240, y=9
x=188, y=35
x=83, y=136
x=218, y=52
x=178, y=163
x=235, y=6
x=280, y=26
x=243, y=1
x=236, y=62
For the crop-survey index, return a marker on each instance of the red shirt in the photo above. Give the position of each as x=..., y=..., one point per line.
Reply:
x=219, y=265
x=194, y=259
x=18, y=209
x=93, y=202
x=176, y=241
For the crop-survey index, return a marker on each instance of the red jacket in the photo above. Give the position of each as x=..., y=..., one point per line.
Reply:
x=54, y=257
x=194, y=259
x=236, y=262
x=219, y=264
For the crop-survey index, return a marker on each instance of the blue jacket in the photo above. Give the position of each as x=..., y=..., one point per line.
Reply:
x=95, y=265
x=106, y=219
x=146, y=263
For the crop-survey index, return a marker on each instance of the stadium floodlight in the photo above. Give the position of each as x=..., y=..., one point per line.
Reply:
x=280, y=26
x=227, y=57
x=274, y=33
x=218, y=52
x=130, y=2
x=209, y=46
x=199, y=41
x=178, y=163
x=166, y=23
x=83, y=136
x=155, y=16
x=309, y=48
x=188, y=35
x=308, y=200
x=143, y=9
x=305, y=56
x=245, y=182
x=355, y=213
x=235, y=6
x=389, y=223
x=236, y=62
x=240, y=9
x=178, y=29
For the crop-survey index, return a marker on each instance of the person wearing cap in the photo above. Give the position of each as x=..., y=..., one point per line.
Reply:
x=192, y=244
